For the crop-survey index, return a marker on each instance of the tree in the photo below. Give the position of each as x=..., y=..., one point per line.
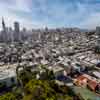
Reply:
x=2, y=86
x=17, y=92
x=39, y=90
x=97, y=50
x=20, y=77
x=42, y=90
x=8, y=96
x=47, y=74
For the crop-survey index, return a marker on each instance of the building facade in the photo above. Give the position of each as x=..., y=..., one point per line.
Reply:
x=17, y=35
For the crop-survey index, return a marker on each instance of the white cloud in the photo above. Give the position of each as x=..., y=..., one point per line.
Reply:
x=24, y=5
x=10, y=17
x=92, y=21
x=49, y=14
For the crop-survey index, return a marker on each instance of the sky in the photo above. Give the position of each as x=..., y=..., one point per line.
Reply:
x=51, y=13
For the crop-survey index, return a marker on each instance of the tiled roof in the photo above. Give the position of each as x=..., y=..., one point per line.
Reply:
x=82, y=77
x=92, y=84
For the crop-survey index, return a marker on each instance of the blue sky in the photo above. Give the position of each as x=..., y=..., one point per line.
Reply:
x=51, y=13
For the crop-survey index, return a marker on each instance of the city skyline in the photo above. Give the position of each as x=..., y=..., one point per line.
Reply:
x=51, y=13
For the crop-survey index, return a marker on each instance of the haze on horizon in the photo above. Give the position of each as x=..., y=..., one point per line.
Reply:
x=51, y=13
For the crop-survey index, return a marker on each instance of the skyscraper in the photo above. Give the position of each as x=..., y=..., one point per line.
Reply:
x=3, y=25
x=4, y=31
x=10, y=32
x=17, y=35
x=16, y=27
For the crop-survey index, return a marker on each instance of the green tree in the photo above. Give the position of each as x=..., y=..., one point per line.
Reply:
x=47, y=74
x=42, y=90
x=8, y=96
x=97, y=50
x=2, y=86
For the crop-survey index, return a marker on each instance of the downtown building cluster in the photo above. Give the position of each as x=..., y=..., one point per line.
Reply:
x=9, y=34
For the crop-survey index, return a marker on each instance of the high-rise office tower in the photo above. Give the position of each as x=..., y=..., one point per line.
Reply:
x=10, y=31
x=17, y=35
x=3, y=25
x=16, y=27
x=4, y=31
x=46, y=29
